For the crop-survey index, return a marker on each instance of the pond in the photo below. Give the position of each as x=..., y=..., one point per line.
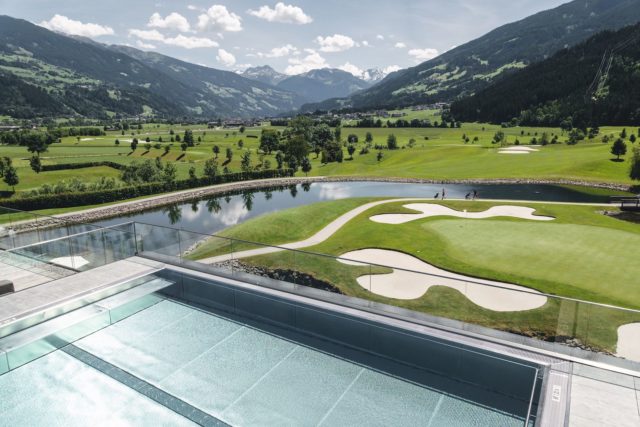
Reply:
x=214, y=214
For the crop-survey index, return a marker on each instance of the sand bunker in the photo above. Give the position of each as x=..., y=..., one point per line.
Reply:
x=407, y=285
x=430, y=209
x=517, y=149
x=629, y=342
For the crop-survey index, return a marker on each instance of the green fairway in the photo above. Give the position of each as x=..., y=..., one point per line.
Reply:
x=581, y=254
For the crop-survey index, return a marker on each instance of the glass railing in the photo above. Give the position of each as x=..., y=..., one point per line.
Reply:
x=505, y=312
x=35, y=249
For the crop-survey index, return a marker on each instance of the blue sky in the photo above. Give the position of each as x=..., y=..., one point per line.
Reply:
x=291, y=36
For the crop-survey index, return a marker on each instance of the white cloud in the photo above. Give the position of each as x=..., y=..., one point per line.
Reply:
x=353, y=69
x=279, y=52
x=180, y=40
x=63, y=24
x=173, y=21
x=423, y=54
x=226, y=58
x=391, y=69
x=193, y=7
x=219, y=18
x=310, y=62
x=400, y=45
x=144, y=45
x=365, y=43
x=190, y=42
x=335, y=43
x=380, y=37
x=149, y=35
x=283, y=13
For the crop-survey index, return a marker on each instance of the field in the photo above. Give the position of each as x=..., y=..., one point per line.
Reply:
x=435, y=153
x=581, y=254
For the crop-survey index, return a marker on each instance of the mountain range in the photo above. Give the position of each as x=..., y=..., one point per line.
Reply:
x=77, y=76
x=473, y=66
x=595, y=82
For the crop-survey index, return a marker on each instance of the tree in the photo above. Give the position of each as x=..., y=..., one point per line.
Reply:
x=392, y=142
x=134, y=144
x=245, y=163
x=240, y=144
x=11, y=176
x=184, y=146
x=229, y=154
x=211, y=168
x=297, y=148
x=619, y=148
x=338, y=133
x=268, y=141
x=379, y=157
x=279, y=159
x=368, y=138
x=351, y=149
x=35, y=164
x=117, y=142
x=498, y=137
x=167, y=148
x=188, y=138
x=632, y=138
x=306, y=166
x=623, y=134
x=216, y=150
x=352, y=138
x=192, y=174
x=634, y=172
x=169, y=173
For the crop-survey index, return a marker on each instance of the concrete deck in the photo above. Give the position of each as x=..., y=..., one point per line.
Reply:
x=598, y=403
x=31, y=300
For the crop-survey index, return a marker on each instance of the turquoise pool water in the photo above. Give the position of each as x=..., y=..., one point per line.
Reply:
x=229, y=370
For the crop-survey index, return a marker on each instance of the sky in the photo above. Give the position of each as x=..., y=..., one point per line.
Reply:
x=292, y=36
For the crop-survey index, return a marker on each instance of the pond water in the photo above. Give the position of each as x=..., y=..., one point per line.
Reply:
x=217, y=213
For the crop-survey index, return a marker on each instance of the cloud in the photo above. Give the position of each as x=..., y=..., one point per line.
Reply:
x=279, y=52
x=193, y=7
x=365, y=43
x=400, y=45
x=226, y=58
x=423, y=54
x=144, y=45
x=335, y=43
x=219, y=18
x=63, y=24
x=283, y=13
x=190, y=42
x=310, y=62
x=391, y=69
x=353, y=69
x=173, y=21
x=380, y=37
x=180, y=40
x=149, y=35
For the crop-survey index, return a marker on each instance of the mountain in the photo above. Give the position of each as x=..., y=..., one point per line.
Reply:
x=86, y=78
x=374, y=75
x=469, y=68
x=264, y=74
x=321, y=84
x=595, y=82
x=313, y=86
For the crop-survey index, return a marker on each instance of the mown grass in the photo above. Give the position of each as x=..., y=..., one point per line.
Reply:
x=582, y=254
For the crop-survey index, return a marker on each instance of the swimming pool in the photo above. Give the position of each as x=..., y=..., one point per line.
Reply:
x=205, y=352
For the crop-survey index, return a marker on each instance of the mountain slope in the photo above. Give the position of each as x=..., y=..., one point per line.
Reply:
x=474, y=65
x=264, y=74
x=87, y=78
x=325, y=83
x=597, y=82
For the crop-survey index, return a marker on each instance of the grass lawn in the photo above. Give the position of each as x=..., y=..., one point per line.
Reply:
x=581, y=254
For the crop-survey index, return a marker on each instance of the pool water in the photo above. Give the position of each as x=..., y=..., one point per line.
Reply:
x=229, y=369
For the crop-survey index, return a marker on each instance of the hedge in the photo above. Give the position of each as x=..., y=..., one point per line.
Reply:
x=67, y=166
x=65, y=200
